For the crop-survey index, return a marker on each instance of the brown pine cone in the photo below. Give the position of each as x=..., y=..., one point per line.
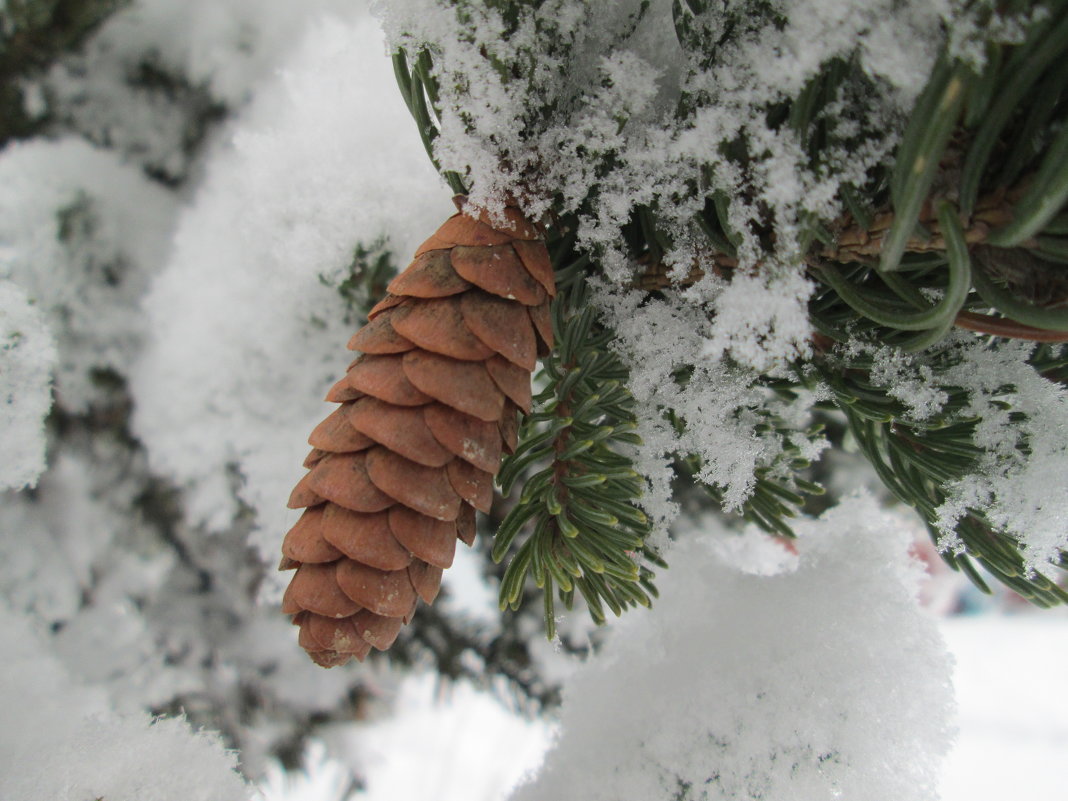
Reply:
x=398, y=470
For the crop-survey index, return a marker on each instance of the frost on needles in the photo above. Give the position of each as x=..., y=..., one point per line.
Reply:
x=616, y=117
x=759, y=185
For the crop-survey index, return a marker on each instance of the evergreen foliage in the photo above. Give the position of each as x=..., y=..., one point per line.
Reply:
x=176, y=410
x=779, y=490
x=588, y=533
x=963, y=226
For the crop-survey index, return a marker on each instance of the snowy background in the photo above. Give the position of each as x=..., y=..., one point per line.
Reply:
x=175, y=243
x=1012, y=733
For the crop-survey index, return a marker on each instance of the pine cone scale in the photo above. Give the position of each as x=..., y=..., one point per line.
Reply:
x=316, y=589
x=426, y=579
x=343, y=479
x=512, y=380
x=336, y=433
x=385, y=378
x=463, y=231
x=465, y=525
x=465, y=386
x=433, y=541
x=384, y=305
x=377, y=630
x=543, y=326
x=425, y=489
x=303, y=495
x=366, y=538
x=341, y=392
x=305, y=541
x=437, y=325
x=429, y=276
x=386, y=593
x=380, y=337
x=334, y=641
x=473, y=440
x=508, y=425
x=499, y=271
x=536, y=260
x=401, y=429
x=515, y=223
x=473, y=485
x=502, y=325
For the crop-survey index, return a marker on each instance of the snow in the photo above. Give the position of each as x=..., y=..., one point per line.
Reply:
x=453, y=722
x=81, y=232
x=1013, y=713
x=27, y=359
x=228, y=46
x=1010, y=743
x=596, y=119
x=449, y=742
x=1010, y=486
x=615, y=112
x=912, y=384
x=199, y=268
x=689, y=701
x=148, y=84
x=60, y=738
x=761, y=321
x=247, y=337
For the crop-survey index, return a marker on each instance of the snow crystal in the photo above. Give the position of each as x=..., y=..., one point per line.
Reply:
x=911, y=383
x=247, y=336
x=60, y=739
x=1019, y=492
x=1016, y=489
x=674, y=367
x=825, y=682
x=761, y=321
x=27, y=358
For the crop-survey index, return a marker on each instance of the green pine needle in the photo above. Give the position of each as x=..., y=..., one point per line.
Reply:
x=584, y=528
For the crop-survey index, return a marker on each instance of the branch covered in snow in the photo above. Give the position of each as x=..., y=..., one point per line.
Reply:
x=758, y=676
x=27, y=359
x=61, y=739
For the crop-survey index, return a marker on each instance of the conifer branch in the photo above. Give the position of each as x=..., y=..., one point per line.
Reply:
x=578, y=507
x=965, y=227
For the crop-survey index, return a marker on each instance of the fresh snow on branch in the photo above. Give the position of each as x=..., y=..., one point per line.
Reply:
x=80, y=233
x=615, y=113
x=598, y=115
x=818, y=682
x=61, y=740
x=249, y=326
x=638, y=114
x=1022, y=434
x=27, y=359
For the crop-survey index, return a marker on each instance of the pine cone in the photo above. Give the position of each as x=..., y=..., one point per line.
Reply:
x=398, y=470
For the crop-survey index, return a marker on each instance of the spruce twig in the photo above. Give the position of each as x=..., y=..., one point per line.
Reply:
x=578, y=508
